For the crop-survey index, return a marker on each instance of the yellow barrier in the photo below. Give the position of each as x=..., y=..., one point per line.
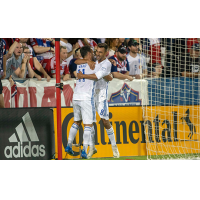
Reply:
x=127, y=123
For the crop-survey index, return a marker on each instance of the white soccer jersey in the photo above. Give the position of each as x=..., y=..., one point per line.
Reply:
x=102, y=69
x=85, y=88
x=136, y=63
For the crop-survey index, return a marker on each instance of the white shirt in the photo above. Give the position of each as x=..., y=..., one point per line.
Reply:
x=69, y=49
x=102, y=69
x=136, y=63
x=85, y=88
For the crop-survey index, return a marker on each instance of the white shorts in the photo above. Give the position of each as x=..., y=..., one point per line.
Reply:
x=85, y=111
x=102, y=109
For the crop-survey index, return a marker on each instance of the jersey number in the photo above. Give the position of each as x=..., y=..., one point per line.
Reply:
x=83, y=71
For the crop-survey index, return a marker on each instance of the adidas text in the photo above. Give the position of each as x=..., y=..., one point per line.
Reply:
x=20, y=151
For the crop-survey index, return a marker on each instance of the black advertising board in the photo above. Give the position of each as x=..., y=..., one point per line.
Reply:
x=26, y=134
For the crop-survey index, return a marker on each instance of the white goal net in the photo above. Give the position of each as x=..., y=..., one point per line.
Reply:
x=171, y=119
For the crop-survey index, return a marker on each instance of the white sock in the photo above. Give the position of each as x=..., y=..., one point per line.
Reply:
x=92, y=138
x=86, y=137
x=72, y=133
x=111, y=136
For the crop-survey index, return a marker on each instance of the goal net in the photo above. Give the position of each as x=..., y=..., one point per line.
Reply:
x=171, y=119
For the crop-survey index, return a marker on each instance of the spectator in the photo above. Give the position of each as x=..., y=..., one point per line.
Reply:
x=190, y=42
x=121, y=42
x=155, y=71
x=64, y=69
x=86, y=41
x=190, y=64
x=151, y=47
x=2, y=67
x=35, y=64
x=112, y=45
x=136, y=61
x=44, y=49
x=121, y=69
x=17, y=63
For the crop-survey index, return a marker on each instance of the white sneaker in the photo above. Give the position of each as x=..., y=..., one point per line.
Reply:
x=91, y=152
x=115, y=151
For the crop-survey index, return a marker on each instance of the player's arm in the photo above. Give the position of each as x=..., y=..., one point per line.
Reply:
x=40, y=49
x=66, y=77
x=75, y=46
x=190, y=74
x=80, y=75
x=39, y=67
x=83, y=61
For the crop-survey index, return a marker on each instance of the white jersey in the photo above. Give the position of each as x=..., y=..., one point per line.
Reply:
x=136, y=63
x=102, y=69
x=85, y=88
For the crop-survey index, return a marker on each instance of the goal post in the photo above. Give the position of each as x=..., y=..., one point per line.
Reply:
x=171, y=118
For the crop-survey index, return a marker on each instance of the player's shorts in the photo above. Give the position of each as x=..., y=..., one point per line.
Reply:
x=85, y=111
x=1, y=87
x=102, y=109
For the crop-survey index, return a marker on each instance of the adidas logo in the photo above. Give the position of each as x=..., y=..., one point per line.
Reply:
x=19, y=150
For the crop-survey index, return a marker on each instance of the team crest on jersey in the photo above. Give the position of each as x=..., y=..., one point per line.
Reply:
x=126, y=96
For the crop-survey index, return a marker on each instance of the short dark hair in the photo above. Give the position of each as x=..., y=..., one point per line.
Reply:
x=25, y=47
x=84, y=51
x=103, y=45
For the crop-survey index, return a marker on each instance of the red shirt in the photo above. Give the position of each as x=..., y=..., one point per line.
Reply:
x=51, y=67
x=190, y=43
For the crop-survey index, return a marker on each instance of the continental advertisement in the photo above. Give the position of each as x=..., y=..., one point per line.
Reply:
x=169, y=130
x=128, y=127
x=172, y=129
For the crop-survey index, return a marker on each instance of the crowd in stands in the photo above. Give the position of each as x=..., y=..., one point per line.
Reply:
x=132, y=58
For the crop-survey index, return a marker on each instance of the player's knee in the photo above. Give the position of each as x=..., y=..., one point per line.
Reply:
x=106, y=123
x=78, y=123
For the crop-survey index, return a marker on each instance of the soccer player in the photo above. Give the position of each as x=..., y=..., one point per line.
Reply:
x=83, y=105
x=103, y=69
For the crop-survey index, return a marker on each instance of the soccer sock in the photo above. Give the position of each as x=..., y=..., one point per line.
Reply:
x=92, y=138
x=111, y=136
x=72, y=133
x=86, y=137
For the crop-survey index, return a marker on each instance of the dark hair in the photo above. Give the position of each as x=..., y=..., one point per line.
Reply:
x=103, y=45
x=62, y=47
x=25, y=47
x=84, y=50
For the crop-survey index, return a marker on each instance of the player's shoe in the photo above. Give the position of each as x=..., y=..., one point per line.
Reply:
x=115, y=151
x=83, y=154
x=91, y=152
x=69, y=150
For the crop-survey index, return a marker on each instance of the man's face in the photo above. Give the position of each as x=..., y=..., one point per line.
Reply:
x=194, y=53
x=133, y=49
x=18, y=50
x=63, y=54
x=24, y=40
x=27, y=52
x=100, y=54
x=121, y=56
x=158, y=70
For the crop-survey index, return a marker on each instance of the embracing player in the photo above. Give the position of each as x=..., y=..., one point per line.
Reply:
x=83, y=105
x=103, y=69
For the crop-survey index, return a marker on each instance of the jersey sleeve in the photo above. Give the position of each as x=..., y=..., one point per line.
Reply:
x=103, y=71
x=66, y=70
x=72, y=66
x=52, y=67
x=114, y=68
x=4, y=47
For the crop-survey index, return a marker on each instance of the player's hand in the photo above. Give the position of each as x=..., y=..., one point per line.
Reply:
x=75, y=46
x=91, y=64
x=4, y=75
x=113, y=62
x=48, y=78
x=137, y=76
x=79, y=75
x=130, y=78
x=39, y=78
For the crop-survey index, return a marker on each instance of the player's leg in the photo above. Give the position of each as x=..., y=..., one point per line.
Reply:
x=1, y=96
x=92, y=149
x=88, y=116
x=75, y=126
x=102, y=109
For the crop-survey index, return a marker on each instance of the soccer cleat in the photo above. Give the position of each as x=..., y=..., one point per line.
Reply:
x=69, y=150
x=115, y=151
x=83, y=154
x=91, y=152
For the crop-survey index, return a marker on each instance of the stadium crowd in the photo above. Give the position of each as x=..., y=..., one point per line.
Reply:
x=131, y=57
